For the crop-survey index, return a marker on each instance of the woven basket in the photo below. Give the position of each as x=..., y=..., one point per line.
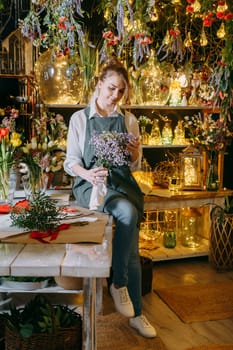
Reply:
x=63, y=339
x=221, y=241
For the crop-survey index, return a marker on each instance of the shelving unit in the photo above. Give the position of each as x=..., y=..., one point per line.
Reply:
x=161, y=199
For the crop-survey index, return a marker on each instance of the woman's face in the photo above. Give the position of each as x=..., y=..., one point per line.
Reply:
x=111, y=89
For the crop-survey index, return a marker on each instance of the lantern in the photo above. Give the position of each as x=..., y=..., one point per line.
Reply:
x=191, y=169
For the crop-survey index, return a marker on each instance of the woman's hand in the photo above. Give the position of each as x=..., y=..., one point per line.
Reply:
x=94, y=175
x=133, y=148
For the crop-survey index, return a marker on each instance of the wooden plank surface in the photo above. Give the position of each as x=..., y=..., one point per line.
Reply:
x=39, y=260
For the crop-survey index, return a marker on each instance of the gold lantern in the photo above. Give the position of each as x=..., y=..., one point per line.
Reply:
x=191, y=169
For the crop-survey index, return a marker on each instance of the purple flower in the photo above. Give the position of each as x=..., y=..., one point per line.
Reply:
x=111, y=149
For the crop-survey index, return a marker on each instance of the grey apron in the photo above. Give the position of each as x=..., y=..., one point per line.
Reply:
x=120, y=182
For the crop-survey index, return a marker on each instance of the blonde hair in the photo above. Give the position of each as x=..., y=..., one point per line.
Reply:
x=113, y=65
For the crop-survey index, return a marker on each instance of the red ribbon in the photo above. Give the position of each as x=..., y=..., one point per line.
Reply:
x=40, y=235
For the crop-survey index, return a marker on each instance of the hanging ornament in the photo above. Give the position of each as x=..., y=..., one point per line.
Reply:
x=196, y=6
x=176, y=2
x=188, y=40
x=203, y=39
x=222, y=6
x=221, y=33
x=167, y=39
x=153, y=14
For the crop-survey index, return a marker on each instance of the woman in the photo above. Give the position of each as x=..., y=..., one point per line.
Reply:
x=123, y=200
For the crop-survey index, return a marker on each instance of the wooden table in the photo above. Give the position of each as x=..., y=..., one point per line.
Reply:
x=90, y=261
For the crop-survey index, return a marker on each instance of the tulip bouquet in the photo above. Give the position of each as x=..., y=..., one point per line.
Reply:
x=10, y=141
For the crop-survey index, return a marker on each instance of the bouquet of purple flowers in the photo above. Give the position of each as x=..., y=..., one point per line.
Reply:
x=111, y=149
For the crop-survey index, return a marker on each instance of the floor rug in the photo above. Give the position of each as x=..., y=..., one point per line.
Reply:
x=200, y=302
x=213, y=347
x=114, y=332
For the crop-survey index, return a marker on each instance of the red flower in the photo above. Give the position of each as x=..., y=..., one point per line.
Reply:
x=108, y=35
x=62, y=26
x=220, y=15
x=220, y=63
x=4, y=132
x=113, y=42
x=147, y=40
x=190, y=9
x=139, y=35
x=174, y=32
x=191, y=1
x=66, y=51
x=208, y=20
x=228, y=16
x=62, y=19
x=21, y=205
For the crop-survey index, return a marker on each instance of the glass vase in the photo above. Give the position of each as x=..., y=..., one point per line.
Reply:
x=59, y=79
x=8, y=179
x=212, y=178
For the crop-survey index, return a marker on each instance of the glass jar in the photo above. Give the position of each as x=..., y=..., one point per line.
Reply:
x=155, y=136
x=179, y=134
x=191, y=224
x=154, y=83
x=169, y=239
x=59, y=79
x=167, y=134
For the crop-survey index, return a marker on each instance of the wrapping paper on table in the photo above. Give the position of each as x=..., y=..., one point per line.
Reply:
x=92, y=232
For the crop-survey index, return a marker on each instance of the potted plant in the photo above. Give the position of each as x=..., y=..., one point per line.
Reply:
x=221, y=235
x=39, y=324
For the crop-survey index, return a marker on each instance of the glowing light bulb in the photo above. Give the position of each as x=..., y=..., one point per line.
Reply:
x=188, y=40
x=196, y=6
x=221, y=33
x=203, y=38
x=176, y=2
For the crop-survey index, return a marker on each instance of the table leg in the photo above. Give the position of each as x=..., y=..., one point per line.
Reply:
x=89, y=314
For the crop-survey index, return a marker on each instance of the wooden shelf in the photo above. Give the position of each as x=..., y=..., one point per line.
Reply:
x=179, y=252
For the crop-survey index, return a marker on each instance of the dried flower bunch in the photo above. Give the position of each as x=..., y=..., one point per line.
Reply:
x=111, y=149
x=211, y=135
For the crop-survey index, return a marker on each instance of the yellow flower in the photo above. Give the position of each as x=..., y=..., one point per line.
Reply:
x=15, y=139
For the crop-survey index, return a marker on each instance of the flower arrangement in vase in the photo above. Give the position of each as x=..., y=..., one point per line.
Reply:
x=44, y=153
x=10, y=141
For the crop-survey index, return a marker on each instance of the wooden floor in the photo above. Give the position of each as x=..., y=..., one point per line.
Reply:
x=175, y=334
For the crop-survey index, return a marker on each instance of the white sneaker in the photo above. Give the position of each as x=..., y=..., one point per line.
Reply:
x=143, y=326
x=122, y=301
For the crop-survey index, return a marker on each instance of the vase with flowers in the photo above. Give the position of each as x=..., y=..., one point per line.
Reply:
x=44, y=153
x=10, y=141
x=110, y=149
x=213, y=136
